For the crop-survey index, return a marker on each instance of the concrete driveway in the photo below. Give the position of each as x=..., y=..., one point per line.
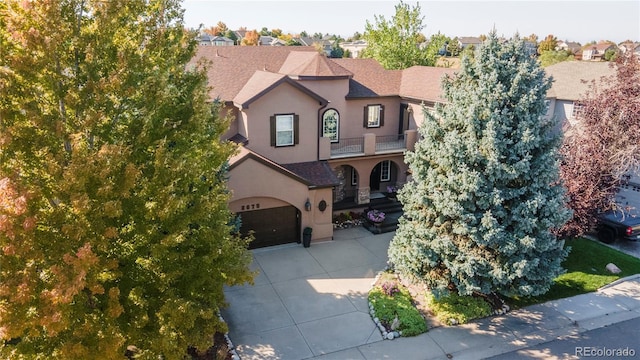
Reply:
x=308, y=301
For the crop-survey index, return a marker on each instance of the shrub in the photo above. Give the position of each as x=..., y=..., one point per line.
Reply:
x=461, y=309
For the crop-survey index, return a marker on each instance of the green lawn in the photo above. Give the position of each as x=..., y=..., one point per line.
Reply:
x=586, y=271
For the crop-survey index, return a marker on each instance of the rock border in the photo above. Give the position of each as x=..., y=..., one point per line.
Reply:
x=386, y=335
x=232, y=349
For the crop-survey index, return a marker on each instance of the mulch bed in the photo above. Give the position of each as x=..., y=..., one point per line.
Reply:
x=219, y=350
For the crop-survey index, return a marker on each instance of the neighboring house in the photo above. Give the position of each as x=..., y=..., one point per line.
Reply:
x=314, y=132
x=326, y=44
x=271, y=41
x=205, y=39
x=630, y=46
x=265, y=40
x=572, y=47
x=240, y=34
x=596, y=52
x=465, y=41
x=571, y=81
x=354, y=47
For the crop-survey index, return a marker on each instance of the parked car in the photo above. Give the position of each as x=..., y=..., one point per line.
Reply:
x=615, y=225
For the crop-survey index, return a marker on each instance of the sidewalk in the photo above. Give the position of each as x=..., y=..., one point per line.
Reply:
x=310, y=303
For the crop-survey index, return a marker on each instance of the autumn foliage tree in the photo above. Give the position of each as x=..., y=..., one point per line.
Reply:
x=251, y=38
x=604, y=145
x=114, y=226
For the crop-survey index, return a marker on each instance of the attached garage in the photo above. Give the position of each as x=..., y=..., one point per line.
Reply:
x=274, y=226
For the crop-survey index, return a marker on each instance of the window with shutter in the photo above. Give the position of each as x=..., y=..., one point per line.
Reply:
x=284, y=130
x=373, y=116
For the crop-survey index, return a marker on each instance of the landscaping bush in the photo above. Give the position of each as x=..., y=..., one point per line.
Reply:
x=460, y=309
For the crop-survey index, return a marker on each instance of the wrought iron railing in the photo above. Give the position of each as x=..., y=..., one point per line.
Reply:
x=348, y=146
x=390, y=142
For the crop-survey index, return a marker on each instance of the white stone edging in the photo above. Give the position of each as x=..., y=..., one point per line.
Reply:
x=232, y=349
x=383, y=331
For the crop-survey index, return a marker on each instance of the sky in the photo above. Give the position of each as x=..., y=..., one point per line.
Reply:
x=571, y=20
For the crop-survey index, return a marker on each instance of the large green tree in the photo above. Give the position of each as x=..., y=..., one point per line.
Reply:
x=485, y=199
x=395, y=43
x=549, y=58
x=114, y=226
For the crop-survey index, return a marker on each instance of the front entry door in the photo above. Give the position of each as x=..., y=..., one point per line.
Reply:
x=374, y=178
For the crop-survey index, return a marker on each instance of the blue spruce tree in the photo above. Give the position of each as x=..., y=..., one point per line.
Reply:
x=485, y=198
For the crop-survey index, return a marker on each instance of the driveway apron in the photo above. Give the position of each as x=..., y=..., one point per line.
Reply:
x=308, y=302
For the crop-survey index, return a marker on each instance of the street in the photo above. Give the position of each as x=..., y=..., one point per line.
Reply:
x=617, y=341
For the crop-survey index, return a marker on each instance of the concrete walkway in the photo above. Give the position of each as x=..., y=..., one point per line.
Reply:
x=312, y=303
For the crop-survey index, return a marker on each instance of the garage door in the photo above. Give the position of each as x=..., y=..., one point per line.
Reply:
x=273, y=226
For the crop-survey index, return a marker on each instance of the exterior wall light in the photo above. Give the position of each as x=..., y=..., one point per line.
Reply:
x=307, y=205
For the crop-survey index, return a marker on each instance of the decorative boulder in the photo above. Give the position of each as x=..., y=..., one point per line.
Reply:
x=612, y=268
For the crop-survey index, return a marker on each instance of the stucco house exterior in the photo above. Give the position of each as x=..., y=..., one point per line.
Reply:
x=316, y=132
x=313, y=131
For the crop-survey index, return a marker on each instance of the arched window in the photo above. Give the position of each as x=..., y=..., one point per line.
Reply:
x=331, y=124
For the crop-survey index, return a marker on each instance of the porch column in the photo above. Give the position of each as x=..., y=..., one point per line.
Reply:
x=363, y=195
x=324, y=152
x=410, y=139
x=369, y=144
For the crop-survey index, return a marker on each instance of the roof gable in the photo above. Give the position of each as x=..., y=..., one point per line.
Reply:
x=311, y=64
x=262, y=82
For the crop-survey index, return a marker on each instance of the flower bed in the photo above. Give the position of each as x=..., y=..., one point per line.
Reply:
x=347, y=220
x=392, y=309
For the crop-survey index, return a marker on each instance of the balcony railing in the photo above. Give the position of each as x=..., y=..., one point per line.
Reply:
x=390, y=142
x=348, y=146
x=367, y=145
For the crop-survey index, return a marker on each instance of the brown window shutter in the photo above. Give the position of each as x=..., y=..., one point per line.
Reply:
x=365, y=123
x=381, y=115
x=296, y=129
x=272, y=122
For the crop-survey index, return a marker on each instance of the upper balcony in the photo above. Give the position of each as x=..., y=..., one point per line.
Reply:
x=367, y=145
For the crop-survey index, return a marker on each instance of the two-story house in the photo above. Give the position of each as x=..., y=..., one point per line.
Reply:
x=313, y=131
x=354, y=47
x=596, y=52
